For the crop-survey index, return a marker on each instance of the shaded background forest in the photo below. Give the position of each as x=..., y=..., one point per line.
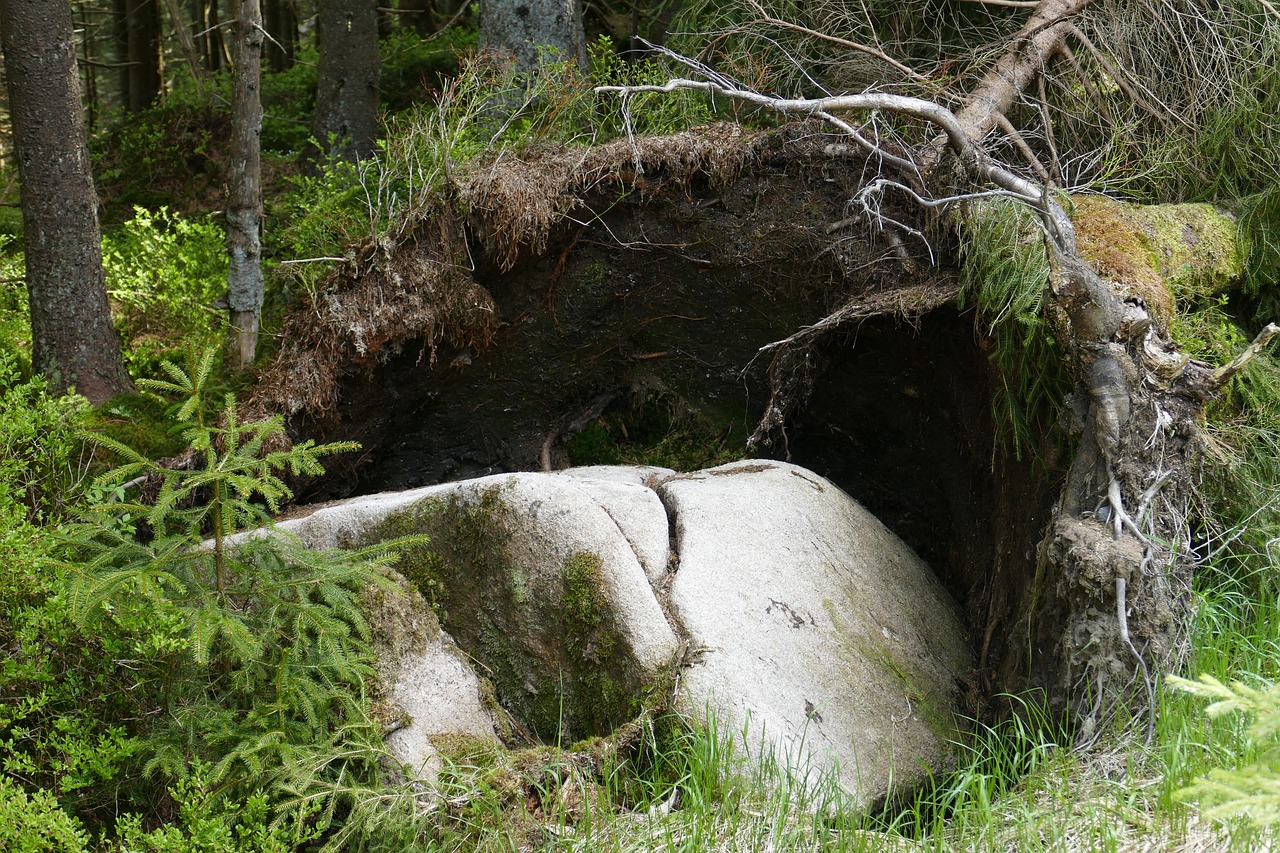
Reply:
x=127, y=732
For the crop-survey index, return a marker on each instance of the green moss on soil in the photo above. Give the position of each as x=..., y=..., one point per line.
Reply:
x=661, y=428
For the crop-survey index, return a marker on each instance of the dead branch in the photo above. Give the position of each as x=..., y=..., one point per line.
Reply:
x=1223, y=374
x=1007, y=128
x=1029, y=51
x=960, y=140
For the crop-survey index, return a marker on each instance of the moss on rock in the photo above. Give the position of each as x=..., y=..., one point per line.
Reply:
x=542, y=630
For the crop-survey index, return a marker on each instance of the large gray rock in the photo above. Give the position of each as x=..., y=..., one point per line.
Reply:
x=813, y=628
x=822, y=633
x=535, y=581
x=428, y=693
x=626, y=493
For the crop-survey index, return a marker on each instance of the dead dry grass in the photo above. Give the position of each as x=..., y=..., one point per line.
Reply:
x=517, y=203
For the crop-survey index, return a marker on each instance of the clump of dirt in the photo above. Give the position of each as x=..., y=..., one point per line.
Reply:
x=517, y=204
x=418, y=294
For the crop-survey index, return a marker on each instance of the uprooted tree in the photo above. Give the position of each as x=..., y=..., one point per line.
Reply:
x=1109, y=608
x=1090, y=602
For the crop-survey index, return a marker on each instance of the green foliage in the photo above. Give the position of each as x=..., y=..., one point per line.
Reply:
x=62, y=694
x=1243, y=426
x=648, y=114
x=34, y=823
x=140, y=421
x=1005, y=273
x=1224, y=148
x=1252, y=792
x=247, y=657
x=652, y=435
x=171, y=153
x=1260, y=228
x=164, y=272
x=41, y=464
x=209, y=823
x=288, y=103
x=15, y=315
x=414, y=69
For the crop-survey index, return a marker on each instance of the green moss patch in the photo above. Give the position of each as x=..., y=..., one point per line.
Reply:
x=1160, y=252
x=544, y=635
x=663, y=429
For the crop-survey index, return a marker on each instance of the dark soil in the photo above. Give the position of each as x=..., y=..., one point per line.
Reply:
x=664, y=297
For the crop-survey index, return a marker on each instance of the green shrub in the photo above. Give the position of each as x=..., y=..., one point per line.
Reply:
x=41, y=460
x=173, y=153
x=164, y=272
x=248, y=656
x=15, y=317
x=34, y=823
x=207, y=823
x=414, y=69
x=63, y=693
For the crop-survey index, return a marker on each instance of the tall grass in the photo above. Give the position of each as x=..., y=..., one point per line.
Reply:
x=1019, y=785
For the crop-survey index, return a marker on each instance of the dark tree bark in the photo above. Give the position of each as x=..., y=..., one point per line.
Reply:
x=244, y=205
x=73, y=341
x=419, y=14
x=520, y=29
x=346, y=116
x=282, y=23
x=139, y=48
x=207, y=36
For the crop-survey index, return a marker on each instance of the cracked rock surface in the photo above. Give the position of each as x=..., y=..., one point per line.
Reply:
x=811, y=627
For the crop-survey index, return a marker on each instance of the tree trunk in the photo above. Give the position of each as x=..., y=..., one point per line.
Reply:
x=346, y=116
x=244, y=206
x=73, y=341
x=526, y=30
x=282, y=24
x=141, y=32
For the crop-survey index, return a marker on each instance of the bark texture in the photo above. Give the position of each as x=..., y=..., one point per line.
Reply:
x=346, y=117
x=282, y=23
x=73, y=341
x=521, y=28
x=140, y=31
x=244, y=206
